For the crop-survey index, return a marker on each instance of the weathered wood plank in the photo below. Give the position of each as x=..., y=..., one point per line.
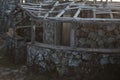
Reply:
x=77, y=13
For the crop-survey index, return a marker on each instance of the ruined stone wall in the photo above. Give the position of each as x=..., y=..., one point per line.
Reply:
x=26, y=34
x=98, y=35
x=5, y=7
x=61, y=58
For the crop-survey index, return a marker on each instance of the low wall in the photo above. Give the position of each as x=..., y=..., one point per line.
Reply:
x=50, y=57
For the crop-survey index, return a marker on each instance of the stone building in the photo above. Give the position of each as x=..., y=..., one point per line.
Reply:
x=69, y=34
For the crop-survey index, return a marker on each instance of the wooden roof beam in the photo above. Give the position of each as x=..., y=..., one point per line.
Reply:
x=47, y=14
x=94, y=13
x=77, y=13
x=63, y=11
x=107, y=12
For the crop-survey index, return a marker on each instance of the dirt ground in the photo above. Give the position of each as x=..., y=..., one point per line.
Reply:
x=10, y=71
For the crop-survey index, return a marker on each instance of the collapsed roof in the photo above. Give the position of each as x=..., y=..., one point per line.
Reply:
x=73, y=11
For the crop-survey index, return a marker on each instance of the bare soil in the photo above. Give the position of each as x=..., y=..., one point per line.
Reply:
x=10, y=71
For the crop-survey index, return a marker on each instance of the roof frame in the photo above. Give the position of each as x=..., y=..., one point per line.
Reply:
x=36, y=11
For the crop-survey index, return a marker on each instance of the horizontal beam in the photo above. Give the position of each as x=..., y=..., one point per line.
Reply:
x=106, y=51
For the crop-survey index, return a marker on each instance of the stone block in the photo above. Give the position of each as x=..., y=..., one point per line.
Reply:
x=104, y=61
x=111, y=28
x=86, y=56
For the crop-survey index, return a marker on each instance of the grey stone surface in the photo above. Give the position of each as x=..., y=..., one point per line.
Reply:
x=86, y=56
x=105, y=36
x=101, y=33
x=62, y=59
x=104, y=61
x=111, y=28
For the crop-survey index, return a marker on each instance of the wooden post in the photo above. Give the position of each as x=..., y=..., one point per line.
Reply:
x=33, y=32
x=22, y=1
x=73, y=34
x=94, y=1
x=16, y=53
x=106, y=1
x=58, y=33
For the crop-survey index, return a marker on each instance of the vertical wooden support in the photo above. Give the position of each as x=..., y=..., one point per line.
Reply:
x=33, y=32
x=58, y=33
x=22, y=1
x=107, y=1
x=73, y=34
x=15, y=46
x=94, y=1
x=16, y=53
x=94, y=13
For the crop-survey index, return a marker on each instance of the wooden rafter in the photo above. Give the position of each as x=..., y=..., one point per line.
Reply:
x=34, y=9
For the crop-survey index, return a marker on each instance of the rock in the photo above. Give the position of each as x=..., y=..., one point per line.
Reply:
x=85, y=29
x=101, y=33
x=118, y=37
x=20, y=79
x=86, y=56
x=111, y=28
x=42, y=64
x=55, y=58
x=92, y=35
x=78, y=33
x=115, y=59
x=82, y=41
x=78, y=56
x=1, y=57
x=116, y=31
x=112, y=61
x=110, y=40
x=74, y=62
x=105, y=55
x=101, y=44
x=104, y=61
x=40, y=57
x=5, y=73
x=118, y=27
x=15, y=71
x=74, y=53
